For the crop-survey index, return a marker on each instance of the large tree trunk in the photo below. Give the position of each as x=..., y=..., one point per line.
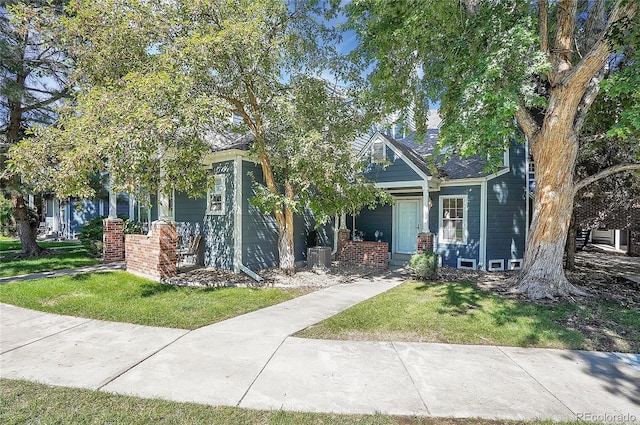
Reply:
x=285, y=244
x=26, y=232
x=554, y=154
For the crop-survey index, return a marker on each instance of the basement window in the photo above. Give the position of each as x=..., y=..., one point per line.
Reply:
x=467, y=263
x=496, y=265
x=515, y=264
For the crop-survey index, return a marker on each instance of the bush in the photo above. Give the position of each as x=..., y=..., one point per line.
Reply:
x=7, y=224
x=425, y=265
x=91, y=234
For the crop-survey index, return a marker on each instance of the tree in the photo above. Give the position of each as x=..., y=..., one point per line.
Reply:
x=33, y=80
x=153, y=79
x=501, y=72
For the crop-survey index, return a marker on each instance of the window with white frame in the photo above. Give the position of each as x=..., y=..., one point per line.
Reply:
x=216, y=196
x=453, y=219
x=377, y=151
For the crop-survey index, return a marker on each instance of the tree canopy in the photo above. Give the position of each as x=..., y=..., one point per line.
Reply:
x=153, y=79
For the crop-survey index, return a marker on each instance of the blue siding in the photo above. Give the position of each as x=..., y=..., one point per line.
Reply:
x=259, y=230
x=380, y=218
x=451, y=252
x=218, y=229
x=80, y=212
x=397, y=170
x=190, y=216
x=506, y=210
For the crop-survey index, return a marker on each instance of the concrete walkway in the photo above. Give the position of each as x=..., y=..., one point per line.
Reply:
x=99, y=268
x=252, y=361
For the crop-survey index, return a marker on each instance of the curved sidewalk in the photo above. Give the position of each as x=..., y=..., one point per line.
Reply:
x=252, y=361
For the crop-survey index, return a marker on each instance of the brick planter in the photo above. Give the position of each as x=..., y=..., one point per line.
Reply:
x=373, y=254
x=154, y=255
x=113, y=240
x=425, y=242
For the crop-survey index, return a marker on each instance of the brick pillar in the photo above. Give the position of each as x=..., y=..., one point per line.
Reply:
x=168, y=244
x=425, y=242
x=343, y=236
x=113, y=240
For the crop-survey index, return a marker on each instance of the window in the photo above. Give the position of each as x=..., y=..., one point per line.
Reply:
x=216, y=196
x=377, y=151
x=515, y=264
x=453, y=220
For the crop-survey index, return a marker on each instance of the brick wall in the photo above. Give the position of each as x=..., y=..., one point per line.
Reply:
x=425, y=242
x=113, y=240
x=153, y=255
x=374, y=254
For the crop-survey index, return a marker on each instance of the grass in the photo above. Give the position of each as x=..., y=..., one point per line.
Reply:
x=7, y=244
x=122, y=297
x=460, y=313
x=66, y=259
x=24, y=402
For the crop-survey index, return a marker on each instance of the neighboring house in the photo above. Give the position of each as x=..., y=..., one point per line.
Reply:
x=63, y=218
x=479, y=219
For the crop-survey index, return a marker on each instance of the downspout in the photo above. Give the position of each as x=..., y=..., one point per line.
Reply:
x=336, y=228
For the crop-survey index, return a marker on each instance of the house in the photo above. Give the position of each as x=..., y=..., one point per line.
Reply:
x=472, y=217
x=478, y=218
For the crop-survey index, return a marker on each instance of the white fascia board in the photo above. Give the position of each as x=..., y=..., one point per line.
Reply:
x=220, y=156
x=473, y=181
x=483, y=225
x=401, y=184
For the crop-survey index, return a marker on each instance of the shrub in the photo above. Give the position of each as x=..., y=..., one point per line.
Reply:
x=425, y=265
x=91, y=234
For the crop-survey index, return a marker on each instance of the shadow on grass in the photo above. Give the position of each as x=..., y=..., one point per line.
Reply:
x=153, y=289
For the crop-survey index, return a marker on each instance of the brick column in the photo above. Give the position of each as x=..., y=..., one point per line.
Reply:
x=113, y=240
x=343, y=236
x=168, y=243
x=425, y=242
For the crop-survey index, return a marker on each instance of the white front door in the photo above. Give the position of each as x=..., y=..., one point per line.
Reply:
x=407, y=226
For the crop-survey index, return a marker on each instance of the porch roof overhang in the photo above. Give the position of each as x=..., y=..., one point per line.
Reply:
x=224, y=155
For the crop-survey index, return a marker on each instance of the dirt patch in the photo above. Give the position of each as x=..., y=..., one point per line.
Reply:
x=339, y=273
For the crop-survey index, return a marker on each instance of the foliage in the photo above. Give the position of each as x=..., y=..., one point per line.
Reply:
x=122, y=297
x=150, y=100
x=7, y=223
x=425, y=265
x=90, y=236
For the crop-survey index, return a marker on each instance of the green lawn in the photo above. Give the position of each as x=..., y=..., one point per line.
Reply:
x=69, y=258
x=7, y=244
x=24, y=402
x=122, y=297
x=460, y=313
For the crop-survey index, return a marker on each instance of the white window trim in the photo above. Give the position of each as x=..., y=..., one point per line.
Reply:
x=492, y=267
x=471, y=260
x=465, y=220
x=223, y=208
x=515, y=264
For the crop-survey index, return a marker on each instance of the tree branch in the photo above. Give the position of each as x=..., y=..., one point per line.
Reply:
x=566, y=25
x=604, y=173
x=543, y=28
x=527, y=123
